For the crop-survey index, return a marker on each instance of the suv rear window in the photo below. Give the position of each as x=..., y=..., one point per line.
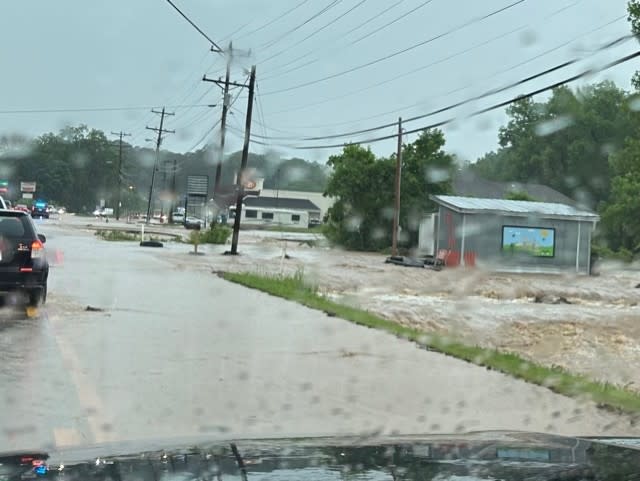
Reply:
x=16, y=226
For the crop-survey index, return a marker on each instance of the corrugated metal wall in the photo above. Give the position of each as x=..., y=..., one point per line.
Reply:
x=483, y=241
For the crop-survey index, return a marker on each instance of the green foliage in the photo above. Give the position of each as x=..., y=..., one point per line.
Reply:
x=519, y=195
x=116, y=235
x=362, y=216
x=565, y=142
x=78, y=166
x=216, y=234
x=575, y=385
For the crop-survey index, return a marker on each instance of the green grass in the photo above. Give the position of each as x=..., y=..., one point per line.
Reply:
x=556, y=379
x=116, y=235
x=285, y=228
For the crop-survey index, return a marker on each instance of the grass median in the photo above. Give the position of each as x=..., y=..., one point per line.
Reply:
x=295, y=288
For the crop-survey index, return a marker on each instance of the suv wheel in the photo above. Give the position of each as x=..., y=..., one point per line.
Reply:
x=38, y=297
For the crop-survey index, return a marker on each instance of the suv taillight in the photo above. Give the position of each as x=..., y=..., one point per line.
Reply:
x=37, y=249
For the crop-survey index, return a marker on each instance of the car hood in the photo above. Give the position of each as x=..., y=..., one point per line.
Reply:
x=483, y=455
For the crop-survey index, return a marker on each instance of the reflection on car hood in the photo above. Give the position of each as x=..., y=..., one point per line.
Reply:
x=492, y=455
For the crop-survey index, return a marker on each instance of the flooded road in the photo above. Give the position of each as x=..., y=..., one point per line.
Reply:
x=169, y=350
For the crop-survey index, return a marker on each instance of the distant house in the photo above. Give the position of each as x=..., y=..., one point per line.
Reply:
x=323, y=203
x=277, y=211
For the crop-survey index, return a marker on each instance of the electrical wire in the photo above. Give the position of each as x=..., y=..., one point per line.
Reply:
x=271, y=22
x=585, y=73
x=396, y=53
x=208, y=132
x=458, y=89
x=200, y=31
x=461, y=103
x=397, y=19
x=299, y=26
x=318, y=30
x=96, y=109
x=366, y=22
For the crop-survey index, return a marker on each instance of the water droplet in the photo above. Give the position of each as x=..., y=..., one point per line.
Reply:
x=548, y=127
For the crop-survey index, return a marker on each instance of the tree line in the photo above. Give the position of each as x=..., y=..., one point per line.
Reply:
x=78, y=166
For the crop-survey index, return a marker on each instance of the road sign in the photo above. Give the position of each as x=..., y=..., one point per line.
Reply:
x=28, y=187
x=4, y=186
x=198, y=185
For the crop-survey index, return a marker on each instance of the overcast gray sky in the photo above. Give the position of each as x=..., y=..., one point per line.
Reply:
x=79, y=54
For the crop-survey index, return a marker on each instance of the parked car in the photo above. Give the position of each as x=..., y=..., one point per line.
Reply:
x=193, y=223
x=40, y=208
x=178, y=217
x=23, y=262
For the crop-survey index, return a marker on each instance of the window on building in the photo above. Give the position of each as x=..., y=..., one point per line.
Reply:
x=251, y=214
x=295, y=218
x=267, y=215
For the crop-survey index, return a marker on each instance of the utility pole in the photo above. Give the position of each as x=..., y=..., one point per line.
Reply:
x=173, y=190
x=120, y=134
x=160, y=131
x=243, y=165
x=396, y=212
x=225, y=109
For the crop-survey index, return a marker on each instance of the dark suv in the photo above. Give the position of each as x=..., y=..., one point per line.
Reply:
x=40, y=209
x=23, y=262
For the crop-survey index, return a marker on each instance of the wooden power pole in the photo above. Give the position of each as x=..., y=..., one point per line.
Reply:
x=160, y=131
x=396, y=210
x=120, y=134
x=243, y=165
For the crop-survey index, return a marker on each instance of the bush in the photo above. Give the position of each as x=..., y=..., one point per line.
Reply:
x=116, y=235
x=603, y=252
x=216, y=234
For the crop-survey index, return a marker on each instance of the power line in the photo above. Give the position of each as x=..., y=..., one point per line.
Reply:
x=486, y=94
x=366, y=22
x=299, y=26
x=496, y=106
x=271, y=22
x=508, y=69
x=208, y=132
x=318, y=30
x=96, y=109
x=397, y=19
x=396, y=53
x=200, y=31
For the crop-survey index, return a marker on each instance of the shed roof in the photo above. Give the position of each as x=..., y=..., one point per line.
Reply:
x=281, y=203
x=521, y=208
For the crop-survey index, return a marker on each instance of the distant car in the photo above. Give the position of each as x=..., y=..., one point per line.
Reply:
x=21, y=208
x=40, y=209
x=178, y=217
x=23, y=262
x=193, y=223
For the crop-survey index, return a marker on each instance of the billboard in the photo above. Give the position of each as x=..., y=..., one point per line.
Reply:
x=27, y=187
x=533, y=241
x=198, y=185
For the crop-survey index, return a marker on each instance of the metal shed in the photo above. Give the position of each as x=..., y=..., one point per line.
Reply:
x=513, y=235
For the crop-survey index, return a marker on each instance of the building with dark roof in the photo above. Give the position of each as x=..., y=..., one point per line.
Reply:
x=467, y=183
x=277, y=211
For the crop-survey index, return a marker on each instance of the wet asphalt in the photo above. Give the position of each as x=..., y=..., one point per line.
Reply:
x=169, y=351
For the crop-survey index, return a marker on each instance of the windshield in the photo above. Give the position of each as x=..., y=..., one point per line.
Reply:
x=302, y=219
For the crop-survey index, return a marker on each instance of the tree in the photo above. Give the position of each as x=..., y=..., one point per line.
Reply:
x=363, y=185
x=565, y=142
